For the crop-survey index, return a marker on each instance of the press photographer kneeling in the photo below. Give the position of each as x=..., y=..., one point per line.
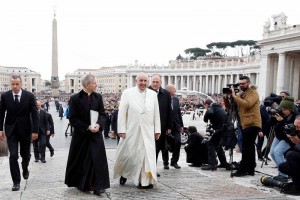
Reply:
x=281, y=143
x=218, y=118
x=292, y=164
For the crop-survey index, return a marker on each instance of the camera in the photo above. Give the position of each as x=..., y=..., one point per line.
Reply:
x=209, y=129
x=273, y=111
x=228, y=89
x=270, y=182
x=290, y=129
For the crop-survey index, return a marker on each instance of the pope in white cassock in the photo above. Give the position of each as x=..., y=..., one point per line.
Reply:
x=138, y=127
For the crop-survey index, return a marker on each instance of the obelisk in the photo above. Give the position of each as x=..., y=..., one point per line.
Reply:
x=54, y=76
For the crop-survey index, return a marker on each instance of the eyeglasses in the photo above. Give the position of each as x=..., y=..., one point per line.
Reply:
x=243, y=83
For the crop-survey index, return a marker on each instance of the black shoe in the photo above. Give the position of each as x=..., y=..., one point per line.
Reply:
x=52, y=153
x=122, y=180
x=209, y=167
x=98, y=192
x=25, y=173
x=260, y=158
x=36, y=160
x=224, y=165
x=176, y=166
x=157, y=174
x=240, y=174
x=291, y=189
x=150, y=186
x=15, y=187
x=43, y=161
x=166, y=167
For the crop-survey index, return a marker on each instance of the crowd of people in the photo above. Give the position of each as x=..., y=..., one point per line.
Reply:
x=149, y=118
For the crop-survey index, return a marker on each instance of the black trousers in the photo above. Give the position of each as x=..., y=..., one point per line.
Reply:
x=176, y=150
x=39, y=147
x=291, y=166
x=48, y=145
x=13, y=146
x=213, y=146
x=160, y=146
x=248, y=163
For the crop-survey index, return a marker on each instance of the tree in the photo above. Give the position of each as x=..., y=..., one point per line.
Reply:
x=179, y=57
x=243, y=47
x=196, y=52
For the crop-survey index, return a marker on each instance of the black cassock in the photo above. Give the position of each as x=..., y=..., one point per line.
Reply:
x=196, y=152
x=87, y=167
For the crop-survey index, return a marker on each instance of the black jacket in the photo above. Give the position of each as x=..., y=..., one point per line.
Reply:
x=25, y=119
x=165, y=111
x=216, y=115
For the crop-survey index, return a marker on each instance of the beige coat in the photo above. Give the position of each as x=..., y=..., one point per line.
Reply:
x=139, y=119
x=248, y=108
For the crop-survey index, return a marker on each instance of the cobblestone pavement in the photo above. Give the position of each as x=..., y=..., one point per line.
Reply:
x=46, y=180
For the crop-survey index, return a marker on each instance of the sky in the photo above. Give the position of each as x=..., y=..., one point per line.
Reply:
x=95, y=33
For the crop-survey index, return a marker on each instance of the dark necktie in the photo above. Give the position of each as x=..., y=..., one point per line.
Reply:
x=17, y=102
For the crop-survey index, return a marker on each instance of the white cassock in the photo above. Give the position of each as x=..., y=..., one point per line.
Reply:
x=139, y=119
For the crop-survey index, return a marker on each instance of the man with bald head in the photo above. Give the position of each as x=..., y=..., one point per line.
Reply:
x=164, y=101
x=138, y=128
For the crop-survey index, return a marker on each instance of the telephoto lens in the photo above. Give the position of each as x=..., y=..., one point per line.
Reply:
x=269, y=181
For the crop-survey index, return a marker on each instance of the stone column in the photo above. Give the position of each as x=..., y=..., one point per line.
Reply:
x=219, y=84
x=176, y=82
x=181, y=82
x=264, y=90
x=296, y=79
x=280, y=73
x=194, y=82
x=206, y=84
x=200, y=83
x=213, y=84
x=188, y=82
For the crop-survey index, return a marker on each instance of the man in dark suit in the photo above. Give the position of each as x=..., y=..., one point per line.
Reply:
x=51, y=126
x=39, y=145
x=114, y=123
x=177, y=126
x=21, y=126
x=164, y=101
x=87, y=167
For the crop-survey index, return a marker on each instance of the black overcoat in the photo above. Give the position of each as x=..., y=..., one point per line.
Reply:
x=165, y=111
x=87, y=156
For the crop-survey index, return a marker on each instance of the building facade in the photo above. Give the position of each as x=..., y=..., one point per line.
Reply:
x=280, y=57
x=31, y=80
x=109, y=79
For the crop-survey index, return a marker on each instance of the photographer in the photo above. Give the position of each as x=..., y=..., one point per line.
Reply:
x=281, y=142
x=248, y=108
x=196, y=150
x=218, y=118
x=292, y=165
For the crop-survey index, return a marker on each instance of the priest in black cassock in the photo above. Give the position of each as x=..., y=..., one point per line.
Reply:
x=87, y=167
